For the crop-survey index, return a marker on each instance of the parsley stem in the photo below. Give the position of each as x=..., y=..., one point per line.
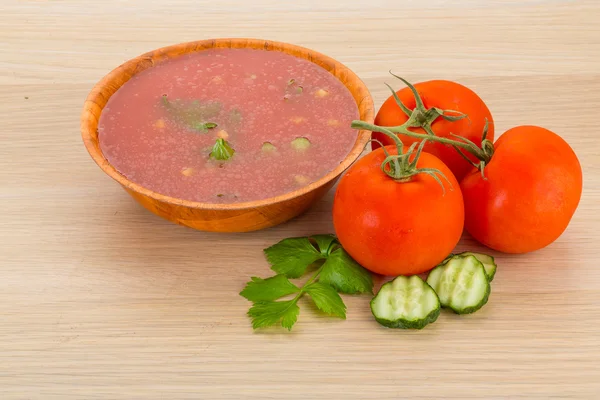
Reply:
x=312, y=278
x=308, y=282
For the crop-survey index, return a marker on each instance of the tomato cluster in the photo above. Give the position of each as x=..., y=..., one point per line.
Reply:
x=401, y=211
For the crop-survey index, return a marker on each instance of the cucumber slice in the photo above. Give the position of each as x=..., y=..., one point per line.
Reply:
x=461, y=284
x=268, y=148
x=488, y=263
x=406, y=303
x=301, y=144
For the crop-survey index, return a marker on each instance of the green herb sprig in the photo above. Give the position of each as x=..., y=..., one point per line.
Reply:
x=333, y=272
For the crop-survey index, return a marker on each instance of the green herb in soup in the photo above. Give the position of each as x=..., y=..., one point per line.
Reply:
x=292, y=89
x=268, y=148
x=301, y=144
x=221, y=151
x=212, y=127
x=193, y=114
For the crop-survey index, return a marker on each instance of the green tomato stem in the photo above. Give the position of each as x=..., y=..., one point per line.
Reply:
x=398, y=166
x=401, y=129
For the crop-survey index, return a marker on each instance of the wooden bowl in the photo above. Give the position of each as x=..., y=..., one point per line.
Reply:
x=236, y=217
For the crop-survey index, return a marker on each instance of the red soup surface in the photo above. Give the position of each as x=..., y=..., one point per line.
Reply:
x=283, y=121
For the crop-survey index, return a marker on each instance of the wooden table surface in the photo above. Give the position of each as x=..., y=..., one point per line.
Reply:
x=100, y=299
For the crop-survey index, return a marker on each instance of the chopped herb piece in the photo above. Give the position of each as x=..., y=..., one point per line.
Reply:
x=301, y=144
x=293, y=88
x=268, y=147
x=192, y=114
x=221, y=150
x=203, y=126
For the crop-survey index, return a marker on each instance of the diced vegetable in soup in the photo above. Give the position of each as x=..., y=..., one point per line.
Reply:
x=228, y=125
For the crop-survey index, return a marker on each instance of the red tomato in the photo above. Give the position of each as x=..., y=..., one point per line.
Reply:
x=533, y=185
x=446, y=95
x=397, y=228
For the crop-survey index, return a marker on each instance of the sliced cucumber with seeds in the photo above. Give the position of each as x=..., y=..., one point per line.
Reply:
x=407, y=303
x=268, y=147
x=461, y=284
x=301, y=144
x=488, y=263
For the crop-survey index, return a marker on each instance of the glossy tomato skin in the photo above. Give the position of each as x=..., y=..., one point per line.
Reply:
x=533, y=187
x=446, y=95
x=397, y=228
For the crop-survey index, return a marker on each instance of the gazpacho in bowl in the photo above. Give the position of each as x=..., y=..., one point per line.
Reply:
x=227, y=135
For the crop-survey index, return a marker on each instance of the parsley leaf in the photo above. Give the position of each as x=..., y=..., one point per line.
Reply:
x=291, y=257
x=344, y=274
x=191, y=114
x=326, y=299
x=221, y=150
x=271, y=313
x=268, y=289
x=323, y=243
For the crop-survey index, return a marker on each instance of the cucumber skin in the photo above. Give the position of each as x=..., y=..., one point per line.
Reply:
x=445, y=260
x=468, y=310
x=407, y=324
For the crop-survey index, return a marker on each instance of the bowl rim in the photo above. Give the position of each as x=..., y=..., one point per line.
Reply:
x=97, y=97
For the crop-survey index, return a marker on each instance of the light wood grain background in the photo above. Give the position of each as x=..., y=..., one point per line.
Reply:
x=100, y=299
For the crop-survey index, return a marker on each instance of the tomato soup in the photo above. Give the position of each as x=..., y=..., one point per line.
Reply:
x=228, y=125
